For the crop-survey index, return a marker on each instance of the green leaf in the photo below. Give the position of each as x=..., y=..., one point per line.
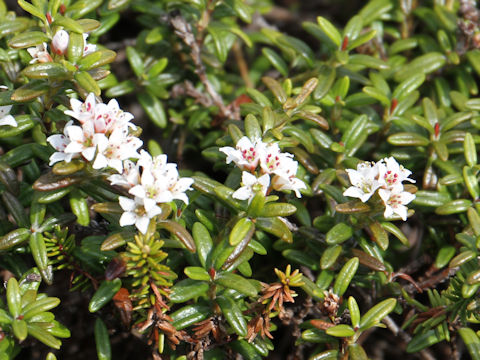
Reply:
x=276, y=60
x=31, y=90
x=424, y=340
x=28, y=39
x=232, y=314
x=197, y=273
x=68, y=24
x=355, y=135
x=153, y=107
x=39, y=253
x=37, y=307
x=408, y=139
x=20, y=329
x=326, y=78
x=96, y=59
x=462, y=258
x=85, y=80
x=356, y=352
x=189, y=315
x=407, y=86
x=379, y=234
x=345, y=276
x=79, y=206
x=14, y=238
x=24, y=123
x=82, y=7
x=338, y=234
x=102, y=340
x=180, y=232
x=32, y=10
x=135, y=61
x=203, y=241
x=243, y=228
x=354, y=311
x=377, y=313
x=341, y=330
x=276, y=88
x=301, y=258
x=48, y=70
x=187, y=289
x=14, y=299
x=5, y=318
x=235, y=282
x=275, y=226
x=424, y=64
x=330, y=256
x=105, y=292
x=43, y=336
x=469, y=150
x=330, y=30
x=454, y=207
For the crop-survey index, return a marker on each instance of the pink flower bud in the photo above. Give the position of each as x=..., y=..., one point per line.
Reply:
x=60, y=42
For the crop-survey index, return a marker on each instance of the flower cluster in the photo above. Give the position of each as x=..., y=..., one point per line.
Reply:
x=151, y=181
x=104, y=139
x=59, y=45
x=386, y=176
x=248, y=156
x=102, y=136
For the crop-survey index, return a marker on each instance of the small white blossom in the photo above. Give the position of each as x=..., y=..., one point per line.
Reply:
x=160, y=182
x=113, y=151
x=60, y=42
x=88, y=48
x=59, y=142
x=285, y=177
x=364, y=181
x=135, y=213
x=395, y=202
x=252, y=185
x=129, y=177
x=81, y=140
x=245, y=155
x=39, y=54
x=5, y=117
x=272, y=160
x=391, y=174
x=109, y=117
x=83, y=111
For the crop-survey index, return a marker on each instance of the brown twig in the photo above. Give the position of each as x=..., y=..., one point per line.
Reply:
x=184, y=31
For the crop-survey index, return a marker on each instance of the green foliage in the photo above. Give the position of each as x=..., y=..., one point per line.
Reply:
x=397, y=80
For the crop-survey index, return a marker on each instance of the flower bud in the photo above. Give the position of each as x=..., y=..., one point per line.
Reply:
x=60, y=42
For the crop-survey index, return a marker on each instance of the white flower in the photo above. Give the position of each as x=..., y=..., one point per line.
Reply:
x=5, y=117
x=136, y=214
x=252, y=185
x=129, y=177
x=83, y=111
x=60, y=42
x=88, y=48
x=246, y=154
x=59, y=142
x=391, y=174
x=114, y=150
x=395, y=202
x=81, y=140
x=39, y=54
x=272, y=160
x=109, y=117
x=177, y=186
x=285, y=177
x=364, y=181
